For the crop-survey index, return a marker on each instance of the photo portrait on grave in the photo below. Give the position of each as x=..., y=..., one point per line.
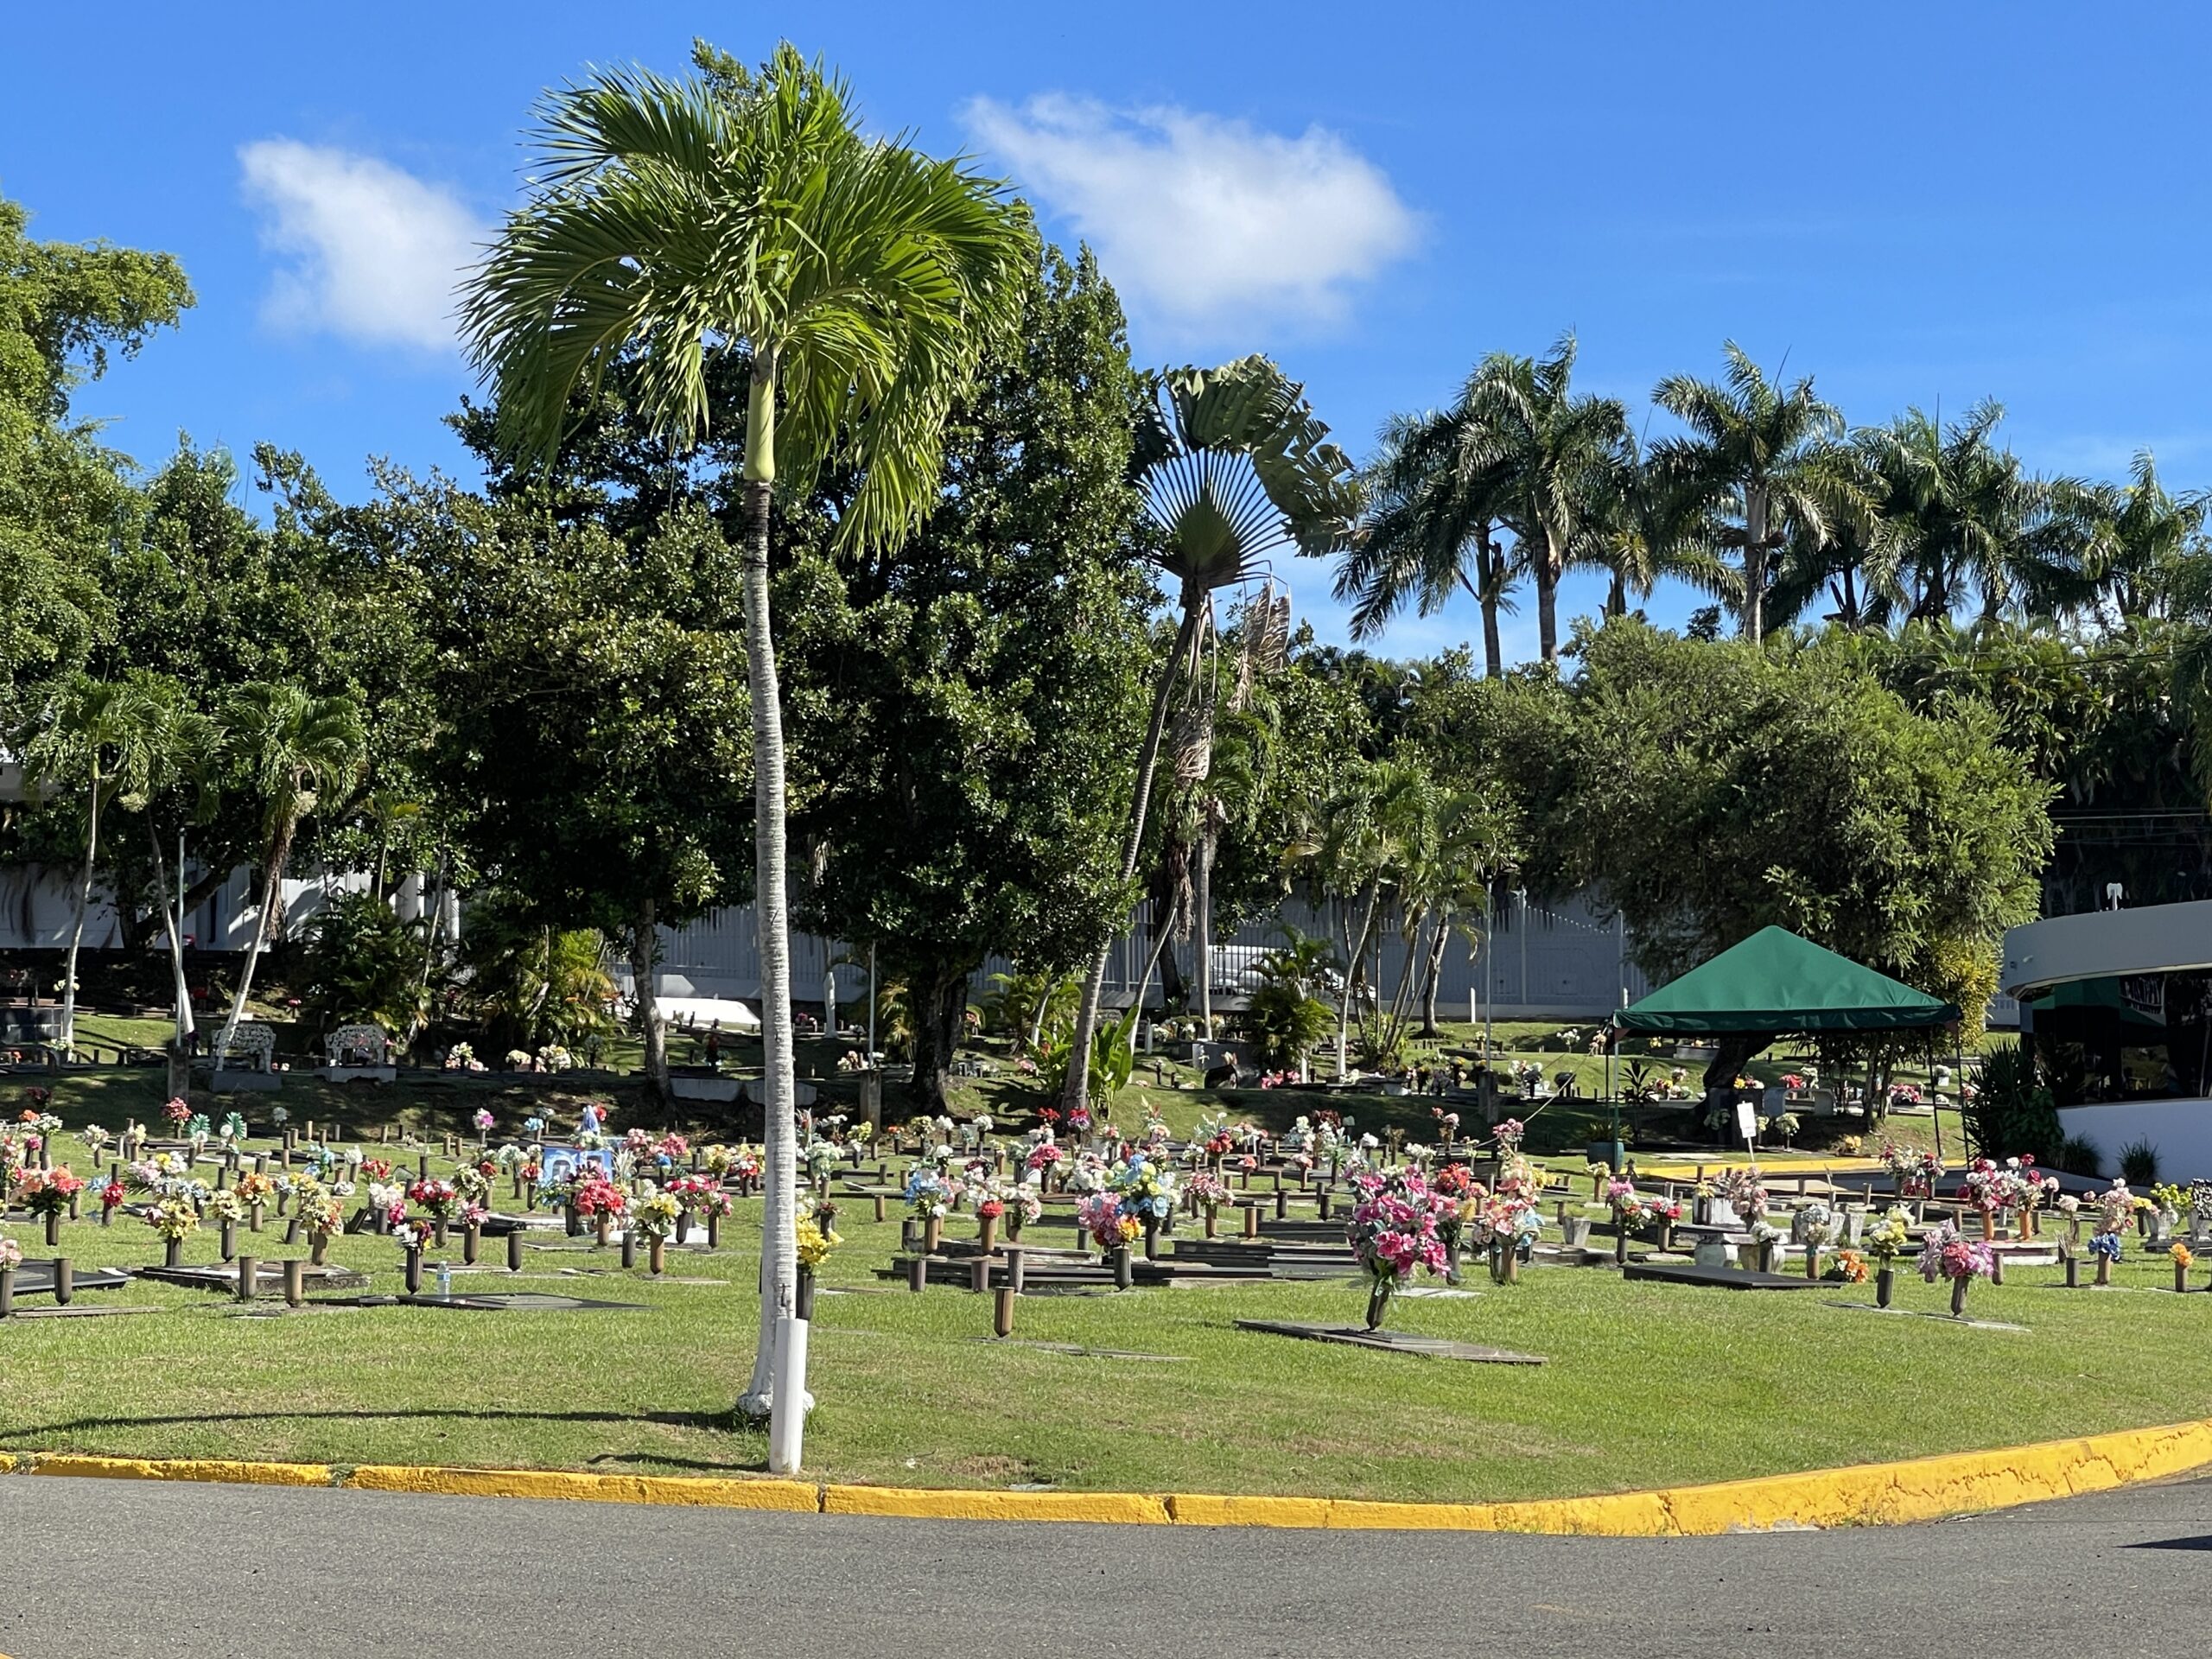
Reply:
x=561, y=1163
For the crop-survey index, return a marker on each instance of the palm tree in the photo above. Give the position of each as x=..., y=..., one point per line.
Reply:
x=2137, y=536
x=1435, y=524
x=1957, y=515
x=182, y=748
x=295, y=748
x=1768, y=458
x=1559, y=461
x=93, y=742
x=1232, y=466
x=864, y=280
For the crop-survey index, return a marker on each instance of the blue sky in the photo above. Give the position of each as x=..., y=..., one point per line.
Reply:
x=1914, y=203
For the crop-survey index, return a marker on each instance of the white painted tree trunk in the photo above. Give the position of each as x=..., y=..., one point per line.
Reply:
x=77, y=927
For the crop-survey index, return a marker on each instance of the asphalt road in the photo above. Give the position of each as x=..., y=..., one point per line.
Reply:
x=120, y=1569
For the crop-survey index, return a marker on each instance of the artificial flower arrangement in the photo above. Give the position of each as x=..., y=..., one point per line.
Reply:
x=484, y=1119
x=2116, y=1208
x=1914, y=1171
x=1206, y=1193
x=853, y=1060
x=820, y=1159
x=1100, y=1216
x=435, y=1196
x=1630, y=1209
x=1044, y=1156
x=1300, y=1136
x=1889, y=1235
x=655, y=1215
x=701, y=1197
x=256, y=1190
x=518, y=1060
x=1745, y=1191
x=1849, y=1268
x=815, y=1241
x=223, y=1204
x=1508, y=1134
x=232, y=1130
x=1947, y=1253
x=718, y=1158
x=928, y=1193
x=596, y=1196
x=471, y=1184
x=11, y=1256
x=177, y=1112
x=47, y=1191
x=1146, y=1188
x=1392, y=1233
x=462, y=1058
x=173, y=1219
x=95, y=1139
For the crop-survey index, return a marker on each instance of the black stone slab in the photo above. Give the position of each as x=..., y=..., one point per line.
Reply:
x=490, y=1302
x=35, y=1278
x=268, y=1278
x=1392, y=1342
x=1719, y=1278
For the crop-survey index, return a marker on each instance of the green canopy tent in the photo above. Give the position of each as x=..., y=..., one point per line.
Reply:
x=1774, y=982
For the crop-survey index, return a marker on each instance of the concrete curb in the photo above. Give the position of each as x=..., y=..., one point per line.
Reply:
x=1875, y=1494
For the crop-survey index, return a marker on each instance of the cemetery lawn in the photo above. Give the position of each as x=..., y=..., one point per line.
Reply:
x=1646, y=1385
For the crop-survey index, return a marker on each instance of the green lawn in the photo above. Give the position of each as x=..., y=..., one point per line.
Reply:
x=1645, y=1384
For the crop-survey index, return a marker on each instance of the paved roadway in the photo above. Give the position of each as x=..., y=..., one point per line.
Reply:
x=120, y=1569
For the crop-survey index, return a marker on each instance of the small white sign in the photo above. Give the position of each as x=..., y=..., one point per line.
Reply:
x=1747, y=1122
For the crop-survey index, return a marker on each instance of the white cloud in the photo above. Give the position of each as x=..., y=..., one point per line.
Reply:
x=1197, y=219
x=371, y=252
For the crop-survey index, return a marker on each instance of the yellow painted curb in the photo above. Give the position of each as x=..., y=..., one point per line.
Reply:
x=1875, y=1494
x=219, y=1472
x=791, y=1496
x=1141, y=1509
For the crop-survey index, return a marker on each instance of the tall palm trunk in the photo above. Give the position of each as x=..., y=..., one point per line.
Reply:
x=652, y=1025
x=1548, y=567
x=1355, y=973
x=1204, y=902
x=84, y=904
x=1433, y=981
x=1077, y=1090
x=272, y=892
x=1755, y=564
x=779, y=1245
x=173, y=923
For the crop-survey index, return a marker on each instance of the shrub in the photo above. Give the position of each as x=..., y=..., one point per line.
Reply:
x=2010, y=1113
x=2076, y=1156
x=2138, y=1163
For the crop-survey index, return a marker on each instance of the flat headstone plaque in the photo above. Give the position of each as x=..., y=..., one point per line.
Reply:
x=268, y=1278
x=488, y=1302
x=1077, y=1351
x=85, y=1311
x=1391, y=1342
x=1920, y=1314
x=35, y=1278
x=1718, y=1278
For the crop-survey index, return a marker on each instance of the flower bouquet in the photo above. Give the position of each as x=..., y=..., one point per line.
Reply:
x=1946, y=1253
x=600, y=1200
x=48, y=1193
x=1914, y=1171
x=173, y=1219
x=1392, y=1233
x=1206, y=1193
x=2183, y=1259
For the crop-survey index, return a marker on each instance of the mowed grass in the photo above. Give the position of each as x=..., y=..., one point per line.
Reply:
x=1643, y=1385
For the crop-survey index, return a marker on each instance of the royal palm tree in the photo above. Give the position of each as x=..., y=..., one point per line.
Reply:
x=182, y=749
x=295, y=748
x=1559, y=459
x=1233, y=467
x=865, y=282
x=1958, y=518
x=2135, y=536
x=1768, y=458
x=1435, y=525
x=95, y=743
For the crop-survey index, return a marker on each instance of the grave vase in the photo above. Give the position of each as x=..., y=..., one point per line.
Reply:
x=1512, y=1260
x=1378, y=1302
x=318, y=1248
x=1959, y=1297
x=933, y=1234
x=1885, y=1284
x=7, y=1291
x=1620, y=1242
x=414, y=1270
x=471, y=1237
x=1014, y=1225
x=714, y=1229
x=1812, y=1261
x=805, y=1293
x=1451, y=1262
x=1150, y=1237
x=683, y=1226
x=172, y=1252
x=657, y=1256
x=1575, y=1231
x=1497, y=1262
x=227, y=1238
x=1766, y=1248
x=601, y=1224
x=2104, y=1269
x=52, y=1227
x=1124, y=1269
x=987, y=1234
x=2181, y=1276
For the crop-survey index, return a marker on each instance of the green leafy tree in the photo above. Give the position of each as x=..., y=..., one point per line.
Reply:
x=296, y=749
x=965, y=705
x=865, y=280
x=66, y=311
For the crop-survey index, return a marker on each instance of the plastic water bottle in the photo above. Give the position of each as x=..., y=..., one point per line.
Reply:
x=445, y=1279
